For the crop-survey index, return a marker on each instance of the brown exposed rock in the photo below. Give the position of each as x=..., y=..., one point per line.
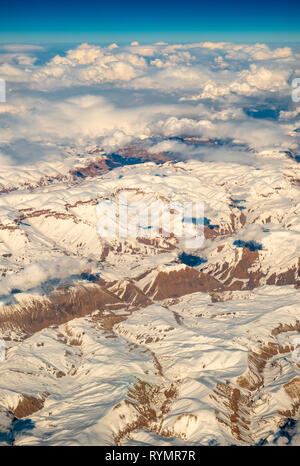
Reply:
x=126, y=156
x=256, y=364
x=282, y=328
x=129, y=293
x=210, y=233
x=246, y=274
x=237, y=410
x=289, y=277
x=159, y=244
x=292, y=389
x=236, y=399
x=59, y=307
x=108, y=321
x=8, y=227
x=46, y=213
x=95, y=168
x=28, y=405
x=177, y=283
x=77, y=203
x=148, y=404
x=243, y=275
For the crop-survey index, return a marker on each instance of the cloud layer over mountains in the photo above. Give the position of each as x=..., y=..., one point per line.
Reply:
x=114, y=95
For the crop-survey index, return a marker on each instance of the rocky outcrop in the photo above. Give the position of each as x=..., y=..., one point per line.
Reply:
x=236, y=400
x=178, y=283
x=58, y=307
x=146, y=405
x=28, y=405
x=292, y=389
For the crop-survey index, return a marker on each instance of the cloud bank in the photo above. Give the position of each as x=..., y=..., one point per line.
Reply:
x=114, y=95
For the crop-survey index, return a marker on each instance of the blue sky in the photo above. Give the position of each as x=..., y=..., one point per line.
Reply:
x=123, y=21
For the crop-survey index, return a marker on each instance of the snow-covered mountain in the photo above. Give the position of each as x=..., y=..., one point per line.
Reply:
x=140, y=340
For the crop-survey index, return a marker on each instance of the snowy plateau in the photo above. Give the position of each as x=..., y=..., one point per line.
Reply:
x=117, y=341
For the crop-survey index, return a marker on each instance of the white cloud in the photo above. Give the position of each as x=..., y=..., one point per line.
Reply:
x=112, y=46
x=263, y=79
x=34, y=274
x=246, y=52
x=21, y=48
x=173, y=127
x=88, y=65
x=113, y=95
x=13, y=73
